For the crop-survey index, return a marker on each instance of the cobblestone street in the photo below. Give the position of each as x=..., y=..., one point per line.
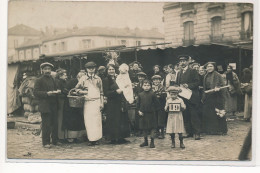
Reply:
x=23, y=144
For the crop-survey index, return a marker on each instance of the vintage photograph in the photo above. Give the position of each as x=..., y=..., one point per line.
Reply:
x=129, y=81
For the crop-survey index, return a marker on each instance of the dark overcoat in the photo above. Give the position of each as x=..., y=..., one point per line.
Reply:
x=47, y=104
x=190, y=77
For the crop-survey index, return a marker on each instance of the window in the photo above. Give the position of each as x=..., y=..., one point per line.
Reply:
x=216, y=34
x=28, y=54
x=123, y=42
x=63, y=46
x=45, y=48
x=188, y=33
x=21, y=54
x=138, y=43
x=108, y=43
x=247, y=26
x=86, y=43
x=35, y=53
x=54, y=47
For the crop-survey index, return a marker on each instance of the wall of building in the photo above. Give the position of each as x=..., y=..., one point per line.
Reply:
x=15, y=41
x=77, y=43
x=201, y=16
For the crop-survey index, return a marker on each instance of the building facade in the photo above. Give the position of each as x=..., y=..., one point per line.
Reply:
x=206, y=22
x=87, y=38
x=19, y=34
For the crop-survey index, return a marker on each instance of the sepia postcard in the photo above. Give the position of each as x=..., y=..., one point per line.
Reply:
x=130, y=81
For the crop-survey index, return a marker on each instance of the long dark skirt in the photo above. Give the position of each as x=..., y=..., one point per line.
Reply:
x=212, y=123
x=148, y=121
x=117, y=123
x=73, y=118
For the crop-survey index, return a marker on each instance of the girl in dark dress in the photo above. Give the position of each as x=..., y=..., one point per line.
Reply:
x=117, y=126
x=212, y=123
x=73, y=119
x=147, y=105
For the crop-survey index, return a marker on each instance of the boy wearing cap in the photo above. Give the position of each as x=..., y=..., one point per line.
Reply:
x=160, y=93
x=46, y=91
x=189, y=78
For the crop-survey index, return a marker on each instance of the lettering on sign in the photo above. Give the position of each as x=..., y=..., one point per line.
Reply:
x=174, y=107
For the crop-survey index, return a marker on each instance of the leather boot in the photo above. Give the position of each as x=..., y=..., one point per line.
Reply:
x=181, y=141
x=152, y=143
x=173, y=140
x=145, y=143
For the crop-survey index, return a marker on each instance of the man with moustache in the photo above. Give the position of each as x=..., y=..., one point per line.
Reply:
x=189, y=78
x=46, y=91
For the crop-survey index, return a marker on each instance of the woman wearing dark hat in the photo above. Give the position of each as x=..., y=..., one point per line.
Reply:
x=73, y=119
x=213, y=121
x=91, y=86
x=61, y=77
x=233, y=91
x=117, y=126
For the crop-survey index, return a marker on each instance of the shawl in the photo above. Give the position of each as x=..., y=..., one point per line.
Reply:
x=124, y=83
x=217, y=80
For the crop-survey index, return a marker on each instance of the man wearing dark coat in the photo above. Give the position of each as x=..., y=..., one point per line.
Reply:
x=46, y=91
x=189, y=78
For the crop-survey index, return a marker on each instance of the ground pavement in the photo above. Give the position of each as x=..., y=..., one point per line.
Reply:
x=25, y=143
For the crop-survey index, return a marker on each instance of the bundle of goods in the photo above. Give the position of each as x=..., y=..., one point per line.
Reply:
x=30, y=103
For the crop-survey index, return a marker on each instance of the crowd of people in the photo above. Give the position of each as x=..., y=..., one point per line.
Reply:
x=124, y=101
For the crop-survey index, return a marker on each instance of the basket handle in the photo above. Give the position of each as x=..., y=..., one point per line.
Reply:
x=71, y=91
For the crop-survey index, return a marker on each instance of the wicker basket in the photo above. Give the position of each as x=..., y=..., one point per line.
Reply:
x=76, y=101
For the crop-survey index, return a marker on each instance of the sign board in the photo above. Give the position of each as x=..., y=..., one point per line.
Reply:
x=174, y=107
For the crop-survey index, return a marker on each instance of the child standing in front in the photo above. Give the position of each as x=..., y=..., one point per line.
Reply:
x=175, y=124
x=159, y=91
x=147, y=105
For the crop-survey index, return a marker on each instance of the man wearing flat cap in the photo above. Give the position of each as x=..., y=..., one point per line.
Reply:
x=189, y=78
x=46, y=91
x=91, y=87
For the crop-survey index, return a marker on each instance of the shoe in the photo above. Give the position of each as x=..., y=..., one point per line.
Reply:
x=57, y=143
x=160, y=137
x=122, y=141
x=47, y=146
x=144, y=144
x=197, y=136
x=182, y=146
x=92, y=143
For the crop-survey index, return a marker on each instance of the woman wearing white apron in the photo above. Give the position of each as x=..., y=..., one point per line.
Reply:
x=91, y=86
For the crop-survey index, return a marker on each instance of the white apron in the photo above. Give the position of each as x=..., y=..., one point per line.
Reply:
x=92, y=114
